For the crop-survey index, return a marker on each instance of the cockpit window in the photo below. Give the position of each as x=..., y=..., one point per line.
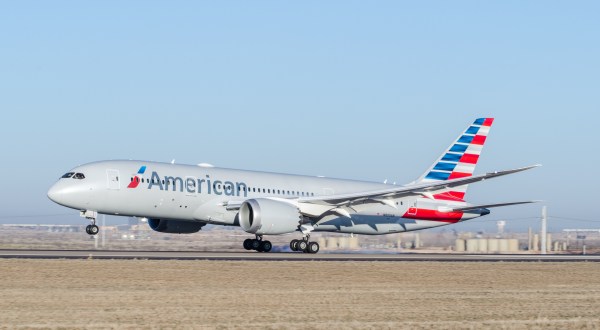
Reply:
x=79, y=176
x=68, y=175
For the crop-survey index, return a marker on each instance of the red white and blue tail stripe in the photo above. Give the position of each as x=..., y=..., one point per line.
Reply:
x=460, y=159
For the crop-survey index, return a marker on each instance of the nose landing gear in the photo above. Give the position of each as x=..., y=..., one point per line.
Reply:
x=258, y=244
x=91, y=229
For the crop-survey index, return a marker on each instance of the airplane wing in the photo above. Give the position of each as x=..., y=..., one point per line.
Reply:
x=384, y=196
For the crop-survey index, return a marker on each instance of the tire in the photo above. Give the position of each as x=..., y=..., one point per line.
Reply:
x=255, y=244
x=87, y=229
x=94, y=230
x=248, y=244
x=313, y=247
x=265, y=246
x=301, y=246
x=294, y=245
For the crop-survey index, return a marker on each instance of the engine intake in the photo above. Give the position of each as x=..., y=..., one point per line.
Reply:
x=268, y=216
x=175, y=226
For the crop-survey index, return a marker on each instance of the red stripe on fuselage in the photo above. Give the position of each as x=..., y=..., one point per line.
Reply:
x=451, y=196
x=432, y=215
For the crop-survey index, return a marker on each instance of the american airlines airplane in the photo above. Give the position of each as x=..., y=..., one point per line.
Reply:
x=184, y=198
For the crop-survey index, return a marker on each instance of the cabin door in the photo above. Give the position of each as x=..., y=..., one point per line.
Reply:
x=113, y=179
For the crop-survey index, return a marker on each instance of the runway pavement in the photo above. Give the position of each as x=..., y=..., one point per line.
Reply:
x=288, y=256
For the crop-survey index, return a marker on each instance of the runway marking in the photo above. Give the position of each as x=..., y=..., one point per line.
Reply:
x=289, y=256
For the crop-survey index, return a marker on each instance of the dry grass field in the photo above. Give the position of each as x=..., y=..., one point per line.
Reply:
x=65, y=294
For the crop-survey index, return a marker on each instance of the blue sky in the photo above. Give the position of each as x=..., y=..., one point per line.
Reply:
x=351, y=89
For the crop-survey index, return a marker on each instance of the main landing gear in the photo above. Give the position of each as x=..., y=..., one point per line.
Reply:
x=304, y=245
x=258, y=244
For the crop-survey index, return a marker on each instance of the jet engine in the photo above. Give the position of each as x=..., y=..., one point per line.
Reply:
x=175, y=226
x=268, y=216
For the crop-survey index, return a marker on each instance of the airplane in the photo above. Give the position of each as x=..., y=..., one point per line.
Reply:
x=182, y=199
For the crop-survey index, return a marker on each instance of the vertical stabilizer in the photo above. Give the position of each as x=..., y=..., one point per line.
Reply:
x=460, y=159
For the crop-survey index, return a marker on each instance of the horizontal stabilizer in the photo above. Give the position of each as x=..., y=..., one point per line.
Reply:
x=487, y=206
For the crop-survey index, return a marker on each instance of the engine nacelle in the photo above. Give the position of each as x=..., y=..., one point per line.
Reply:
x=267, y=216
x=175, y=226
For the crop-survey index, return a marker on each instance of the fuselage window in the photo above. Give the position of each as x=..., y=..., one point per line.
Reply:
x=263, y=190
x=269, y=191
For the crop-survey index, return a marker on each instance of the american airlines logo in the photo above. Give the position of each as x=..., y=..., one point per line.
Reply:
x=136, y=179
x=190, y=185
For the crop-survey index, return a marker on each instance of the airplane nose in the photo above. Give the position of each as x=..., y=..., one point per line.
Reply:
x=54, y=193
x=485, y=212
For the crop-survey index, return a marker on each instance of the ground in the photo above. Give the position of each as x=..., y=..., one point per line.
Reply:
x=295, y=294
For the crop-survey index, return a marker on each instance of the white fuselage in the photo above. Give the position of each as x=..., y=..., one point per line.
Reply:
x=202, y=194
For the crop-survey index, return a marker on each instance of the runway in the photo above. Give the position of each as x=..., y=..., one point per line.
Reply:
x=288, y=256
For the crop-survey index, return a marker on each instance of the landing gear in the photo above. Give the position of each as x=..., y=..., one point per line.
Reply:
x=304, y=245
x=257, y=244
x=92, y=229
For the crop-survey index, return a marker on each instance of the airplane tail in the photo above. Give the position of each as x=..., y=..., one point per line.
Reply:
x=459, y=160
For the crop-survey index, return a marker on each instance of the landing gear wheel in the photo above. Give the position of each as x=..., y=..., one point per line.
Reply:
x=93, y=230
x=313, y=247
x=248, y=244
x=294, y=245
x=255, y=244
x=301, y=246
x=265, y=246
